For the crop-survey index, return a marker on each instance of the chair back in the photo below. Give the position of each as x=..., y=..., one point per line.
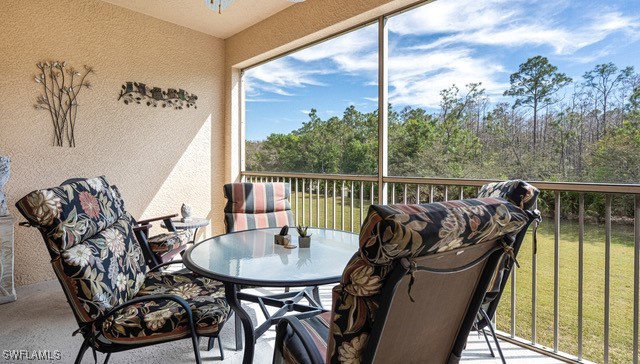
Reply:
x=89, y=236
x=521, y=194
x=257, y=205
x=444, y=289
x=413, y=289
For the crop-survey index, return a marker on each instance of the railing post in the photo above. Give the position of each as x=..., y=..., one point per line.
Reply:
x=310, y=202
x=383, y=108
x=636, y=276
x=297, y=205
x=607, y=274
x=556, y=274
x=334, y=203
x=534, y=282
x=318, y=205
x=361, y=202
x=580, y=270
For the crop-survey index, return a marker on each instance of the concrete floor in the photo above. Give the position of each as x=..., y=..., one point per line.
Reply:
x=41, y=320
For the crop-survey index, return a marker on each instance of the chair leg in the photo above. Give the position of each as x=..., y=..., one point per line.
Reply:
x=195, y=340
x=106, y=360
x=238, y=325
x=493, y=333
x=83, y=349
x=486, y=338
x=212, y=343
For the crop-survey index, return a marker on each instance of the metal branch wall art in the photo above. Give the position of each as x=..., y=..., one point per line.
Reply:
x=61, y=86
x=156, y=96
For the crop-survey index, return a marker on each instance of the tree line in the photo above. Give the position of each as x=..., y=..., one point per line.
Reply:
x=552, y=128
x=555, y=129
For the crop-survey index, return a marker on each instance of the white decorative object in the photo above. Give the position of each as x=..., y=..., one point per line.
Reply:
x=7, y=290
x=5, y=162
x=185, y=210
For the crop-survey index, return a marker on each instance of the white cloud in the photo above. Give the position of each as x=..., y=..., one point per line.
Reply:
x=454, y=42
x=421, y=86
x=360, y=40
x=280, y=77
x=453, y=16
x=511, y=24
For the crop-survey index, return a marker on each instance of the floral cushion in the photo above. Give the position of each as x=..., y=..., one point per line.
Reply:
x=151, y=321
x=69, y=214
x=170, y=241
x=517, y=192
x=104, y=271
x=395, y=231
x=90, y=240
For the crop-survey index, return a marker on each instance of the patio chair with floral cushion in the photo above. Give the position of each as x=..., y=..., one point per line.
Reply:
x=157, y=249
x=412, y=291
x=119, y=302
x=525, y=196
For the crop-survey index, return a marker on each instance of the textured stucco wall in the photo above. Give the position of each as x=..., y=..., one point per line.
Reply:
x=293, y=27
x=158, y=157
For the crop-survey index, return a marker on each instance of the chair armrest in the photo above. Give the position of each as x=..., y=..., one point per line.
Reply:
x=301, y=333
x=179, y=261
x=147, y=221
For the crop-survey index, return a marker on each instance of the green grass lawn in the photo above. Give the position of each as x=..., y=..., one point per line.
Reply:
x=621, y=287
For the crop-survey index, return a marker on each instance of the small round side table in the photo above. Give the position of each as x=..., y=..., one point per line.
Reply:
x=194, y=224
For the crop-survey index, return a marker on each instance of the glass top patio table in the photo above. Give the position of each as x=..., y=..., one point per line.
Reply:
x=251, y=258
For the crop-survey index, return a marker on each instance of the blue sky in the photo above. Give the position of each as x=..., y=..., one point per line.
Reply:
x=435, y=46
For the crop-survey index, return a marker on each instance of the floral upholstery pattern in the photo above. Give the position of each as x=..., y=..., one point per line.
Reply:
x=170, y=241
x=146, y=321
x=73, y=212
x=389, y=233
x=516, y=191
x=100, y=265
x=257, y=205
x=395, y=231
x=93, y=250
x=521, y=194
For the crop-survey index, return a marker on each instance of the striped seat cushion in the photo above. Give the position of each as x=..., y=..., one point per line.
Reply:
x=318, y=328
x=257, y=205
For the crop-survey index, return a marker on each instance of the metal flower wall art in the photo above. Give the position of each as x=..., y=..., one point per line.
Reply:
x=138, y=93
x=61, y=85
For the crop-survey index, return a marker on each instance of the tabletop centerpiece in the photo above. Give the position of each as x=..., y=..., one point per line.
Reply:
x=304, y=241
x=283, y=238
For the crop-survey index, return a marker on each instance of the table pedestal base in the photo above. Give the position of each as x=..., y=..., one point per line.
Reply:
x=288, y=304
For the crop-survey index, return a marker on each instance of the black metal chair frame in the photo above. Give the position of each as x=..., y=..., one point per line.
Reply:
x=399, y=272
x=93, y=337
x=484, y=317
x=88, y=330
x=469, y=322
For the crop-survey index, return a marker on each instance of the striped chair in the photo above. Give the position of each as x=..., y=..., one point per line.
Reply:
x=257, y=205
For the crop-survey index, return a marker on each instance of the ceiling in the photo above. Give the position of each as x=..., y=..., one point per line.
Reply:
x=195, y=14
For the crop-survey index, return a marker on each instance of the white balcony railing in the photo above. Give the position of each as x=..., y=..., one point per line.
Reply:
x=576, y=296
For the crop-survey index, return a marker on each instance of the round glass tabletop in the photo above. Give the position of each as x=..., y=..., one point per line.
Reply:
x=251, y=258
